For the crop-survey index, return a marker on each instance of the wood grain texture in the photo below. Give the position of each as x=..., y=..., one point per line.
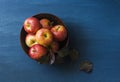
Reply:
x=94, y=27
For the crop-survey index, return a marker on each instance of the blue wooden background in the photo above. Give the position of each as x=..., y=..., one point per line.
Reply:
x=94, y=27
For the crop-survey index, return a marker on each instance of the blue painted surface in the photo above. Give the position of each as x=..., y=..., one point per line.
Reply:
x=94, y=27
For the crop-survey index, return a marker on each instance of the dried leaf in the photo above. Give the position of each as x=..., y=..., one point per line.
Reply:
x=74, y=55
x=44, y=59
x=86, y=66
x=63, y=52
x=59, y=60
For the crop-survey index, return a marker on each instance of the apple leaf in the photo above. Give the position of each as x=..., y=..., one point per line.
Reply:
x=74, y=55
x=86, y=66
x=59, y=60
x=44, y=59
x=63, y=52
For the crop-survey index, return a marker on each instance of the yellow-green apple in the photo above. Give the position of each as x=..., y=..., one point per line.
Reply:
x=31, y=25
x=45, y=23
x=44, y=37
x=30, y=40
x=54, y=46
x=59, y=32
x=37, y=51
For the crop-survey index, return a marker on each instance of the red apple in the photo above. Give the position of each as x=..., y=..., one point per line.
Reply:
x=31, y=25
x=59, y=32
x=37, y=51
x=44, y=37
x=54, y=46
x=30, y=40
x=45, y=23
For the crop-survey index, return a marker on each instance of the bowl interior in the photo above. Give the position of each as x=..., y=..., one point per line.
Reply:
x=53, y=19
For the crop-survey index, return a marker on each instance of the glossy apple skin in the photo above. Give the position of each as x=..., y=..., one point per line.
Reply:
x=54, y=46
x=45, y=23
x=31, y=25
x=44, y=37
x=30, y=40
x=59, y=32
x=37, y=51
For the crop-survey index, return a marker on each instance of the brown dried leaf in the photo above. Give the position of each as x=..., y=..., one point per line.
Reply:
x=86, y=66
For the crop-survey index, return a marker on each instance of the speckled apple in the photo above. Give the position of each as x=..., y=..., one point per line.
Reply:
x=31, y=25
x=59, y=32
x=44, y=37
x=37, y=51
x=30, y=40
x=45, y=23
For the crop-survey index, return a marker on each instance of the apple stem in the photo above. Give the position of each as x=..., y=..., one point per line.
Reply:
x=58, y=28
x=51, y=24
x=28, y=25
x=45, y=35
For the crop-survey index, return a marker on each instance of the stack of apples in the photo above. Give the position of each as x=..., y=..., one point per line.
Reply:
x=43, y=37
